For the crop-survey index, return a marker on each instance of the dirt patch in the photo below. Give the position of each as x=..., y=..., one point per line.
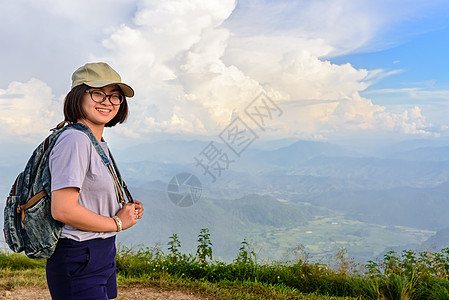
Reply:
x=19, y=293
x=124, y=293
x=154, y=293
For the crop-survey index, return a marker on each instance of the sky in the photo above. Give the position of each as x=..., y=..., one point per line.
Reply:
x=334, y=68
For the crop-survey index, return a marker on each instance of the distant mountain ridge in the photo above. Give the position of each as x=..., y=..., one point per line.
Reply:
x=302, y=151
x=423, y=154
x=272, y=195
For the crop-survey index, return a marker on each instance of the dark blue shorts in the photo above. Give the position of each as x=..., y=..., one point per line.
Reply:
x=83, y=270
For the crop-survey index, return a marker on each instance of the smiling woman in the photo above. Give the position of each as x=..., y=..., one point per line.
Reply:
x=83, y=193
x=101, y=112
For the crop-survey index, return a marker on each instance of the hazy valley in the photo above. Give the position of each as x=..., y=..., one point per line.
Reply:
x=311, y=196
x=314, y=196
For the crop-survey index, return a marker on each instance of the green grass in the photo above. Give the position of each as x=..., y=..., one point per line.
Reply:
x=26, y=277
x=405, y=275
x=31, y=273
x=223, y=289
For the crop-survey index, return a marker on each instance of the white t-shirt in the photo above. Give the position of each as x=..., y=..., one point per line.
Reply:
x=74, y=162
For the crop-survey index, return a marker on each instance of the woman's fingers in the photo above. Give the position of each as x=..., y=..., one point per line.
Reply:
x=139, y=209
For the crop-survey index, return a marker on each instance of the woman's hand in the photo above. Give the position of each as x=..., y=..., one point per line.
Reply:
x=139, y=209
x=130, y=213
x=66, y=209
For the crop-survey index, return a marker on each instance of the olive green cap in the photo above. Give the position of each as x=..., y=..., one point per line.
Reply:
x=99, y=75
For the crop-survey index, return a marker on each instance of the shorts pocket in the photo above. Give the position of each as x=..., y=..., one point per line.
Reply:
x=77, y=261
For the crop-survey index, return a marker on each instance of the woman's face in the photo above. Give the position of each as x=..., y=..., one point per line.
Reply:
x=100, y=113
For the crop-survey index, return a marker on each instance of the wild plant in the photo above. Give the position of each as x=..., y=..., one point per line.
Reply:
x=174, y=248
x=204, y=249
x=343, y=264
x=246, y=254
x=299, y=255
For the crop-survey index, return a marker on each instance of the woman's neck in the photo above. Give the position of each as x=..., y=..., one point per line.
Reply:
x=96, y=129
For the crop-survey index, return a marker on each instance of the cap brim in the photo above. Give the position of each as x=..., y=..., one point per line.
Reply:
x=126, y=89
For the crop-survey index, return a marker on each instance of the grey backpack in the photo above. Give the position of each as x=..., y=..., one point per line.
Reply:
x=28, y=224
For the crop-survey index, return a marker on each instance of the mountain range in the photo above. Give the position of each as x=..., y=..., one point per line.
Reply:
x=317, y=195
x=400, y=191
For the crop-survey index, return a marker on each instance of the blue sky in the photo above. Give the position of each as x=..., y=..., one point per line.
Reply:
x=423, y=59
x=421, y=63
x=340, y=68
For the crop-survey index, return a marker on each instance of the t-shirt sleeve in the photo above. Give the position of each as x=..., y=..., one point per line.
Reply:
x=69, y=160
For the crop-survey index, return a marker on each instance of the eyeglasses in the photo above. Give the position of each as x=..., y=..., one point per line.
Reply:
x=99, y=97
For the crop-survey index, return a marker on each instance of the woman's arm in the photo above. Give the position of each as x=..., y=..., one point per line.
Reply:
x=65, y=208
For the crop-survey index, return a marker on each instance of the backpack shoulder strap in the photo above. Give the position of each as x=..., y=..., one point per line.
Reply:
x=119, y=177
x=113, y=171
x=36, y=170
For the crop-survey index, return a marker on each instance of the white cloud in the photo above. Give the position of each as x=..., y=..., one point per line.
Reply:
x=415, y=93
x=192, y=63
x=192, y=72
x=168, y=40
x=49, y=39
x=410, y=122
x=27, y=110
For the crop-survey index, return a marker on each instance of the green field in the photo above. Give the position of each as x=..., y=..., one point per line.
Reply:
x=323, y=236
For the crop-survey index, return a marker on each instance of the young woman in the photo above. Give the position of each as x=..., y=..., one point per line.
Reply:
x=83, y=193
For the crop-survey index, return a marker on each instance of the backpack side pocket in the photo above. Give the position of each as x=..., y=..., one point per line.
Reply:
x=41, y=237
x=12, y=224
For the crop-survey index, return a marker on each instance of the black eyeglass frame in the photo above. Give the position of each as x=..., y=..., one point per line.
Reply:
x=121, y=97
